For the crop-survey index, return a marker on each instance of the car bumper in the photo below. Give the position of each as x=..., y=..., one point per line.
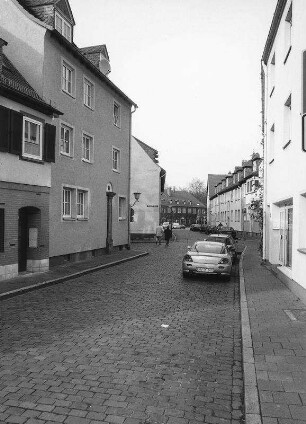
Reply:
x=208, y=269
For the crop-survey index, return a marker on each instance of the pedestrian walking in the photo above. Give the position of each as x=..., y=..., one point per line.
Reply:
x=168, y=235
x=159, y=234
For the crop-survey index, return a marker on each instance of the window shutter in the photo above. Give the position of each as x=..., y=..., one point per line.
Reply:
x=1, y=230
x=49, y=143
x=16, y=126
x=4, y=129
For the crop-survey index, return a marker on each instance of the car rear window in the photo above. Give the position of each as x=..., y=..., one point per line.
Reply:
x=208, y=248
x=218, y=239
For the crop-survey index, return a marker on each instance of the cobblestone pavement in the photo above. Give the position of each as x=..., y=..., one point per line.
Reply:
x=133, y=344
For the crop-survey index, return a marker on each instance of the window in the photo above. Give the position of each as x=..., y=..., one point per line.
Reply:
x=68, y=78
x=87, y=148
x=271, y=143
x=117, y=115
x=80, y=204
x=75, y=203
x=287, y=122
x=116, y=159
x=67, y=203
x=288, y=28
x=179, y=210
x=66, y=142
x=122, y=208
x=1, y=230
x=32, y=138
x=62, y=26
x=88, y=88
x=272, y=75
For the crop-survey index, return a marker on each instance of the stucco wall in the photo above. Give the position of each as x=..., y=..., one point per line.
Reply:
x=75, y=236
x=146, y=180
x=285, y=177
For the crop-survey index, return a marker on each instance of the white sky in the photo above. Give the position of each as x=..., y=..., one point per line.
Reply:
x=193, y=68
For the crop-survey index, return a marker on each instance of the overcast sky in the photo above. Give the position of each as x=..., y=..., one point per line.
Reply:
x=193, y=68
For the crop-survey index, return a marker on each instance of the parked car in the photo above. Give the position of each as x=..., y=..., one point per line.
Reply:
x=228, y=230
x=207, y=258
x=195, y=227
x=177, y=226
x=228, y=240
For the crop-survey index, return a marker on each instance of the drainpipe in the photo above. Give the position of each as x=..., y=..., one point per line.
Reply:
x=265, y=230
x=129, y=179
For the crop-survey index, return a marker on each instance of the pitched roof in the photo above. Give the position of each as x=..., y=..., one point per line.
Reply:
x=93, y=53
x=34, y=6
x=181, y=196
x=11, y=81
x=212, y=181
x=273, y=29
x=152, y=153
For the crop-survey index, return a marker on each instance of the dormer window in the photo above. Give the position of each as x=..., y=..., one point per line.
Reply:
x=62, y=26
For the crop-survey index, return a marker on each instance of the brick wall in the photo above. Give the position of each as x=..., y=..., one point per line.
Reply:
x=16, y=196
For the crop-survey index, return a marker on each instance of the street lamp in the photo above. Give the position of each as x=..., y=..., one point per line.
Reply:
x=137, y=196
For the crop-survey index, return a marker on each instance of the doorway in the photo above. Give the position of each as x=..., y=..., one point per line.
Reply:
x=285, y=241
x=29, y=217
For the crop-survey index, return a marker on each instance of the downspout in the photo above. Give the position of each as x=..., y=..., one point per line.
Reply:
x=129, y=179
x=264, y=149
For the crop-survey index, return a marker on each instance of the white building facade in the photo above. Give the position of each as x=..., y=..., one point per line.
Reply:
x=284, y=66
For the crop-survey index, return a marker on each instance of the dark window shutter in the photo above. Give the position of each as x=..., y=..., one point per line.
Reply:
x=1, y=230
x=49, y=143
x=16, y=133
x=4, y=129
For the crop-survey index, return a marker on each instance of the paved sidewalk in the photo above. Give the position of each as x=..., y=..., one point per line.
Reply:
x=274, y=345
x=28, y=282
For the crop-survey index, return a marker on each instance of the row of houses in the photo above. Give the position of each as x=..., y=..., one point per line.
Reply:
x=66, y=145
x=284, y=112
x=230, y=197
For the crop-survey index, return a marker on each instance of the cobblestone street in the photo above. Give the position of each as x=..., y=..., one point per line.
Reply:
x=132, y=344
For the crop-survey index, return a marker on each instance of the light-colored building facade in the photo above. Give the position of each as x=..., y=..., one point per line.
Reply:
x=90, y=179
x=27, y=149
x=230, y=197
x=148, y=179
x=284, y=90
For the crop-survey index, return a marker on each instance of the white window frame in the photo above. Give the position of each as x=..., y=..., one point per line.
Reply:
x=74, y=204
x=64, y=85
x=116, y=122
x=91, y=147
x=40, y=127
x=122, y=214
x=64, y=24
x=88, y=103
x=116, y=150
x=69, y=190
x=71, y=143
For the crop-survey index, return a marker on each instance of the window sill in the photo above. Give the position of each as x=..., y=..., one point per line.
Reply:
x=302, y=250
x=38, y=161
x=117, y=126
x=271, y=161
x=89, y=107
x=66, y=155
x=287, y=55
x=122, y=219
x=286, y=145
x=116, y=170
x=67, y=218
x=87, y=161
x=69, y=94
x=272, y=91
x=81, y=219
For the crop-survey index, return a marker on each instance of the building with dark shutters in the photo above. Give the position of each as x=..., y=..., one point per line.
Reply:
x=181, y=207
x=90, y=184
x=27, y=149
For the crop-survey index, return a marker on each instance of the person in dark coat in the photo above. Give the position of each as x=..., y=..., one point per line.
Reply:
x=167, y=235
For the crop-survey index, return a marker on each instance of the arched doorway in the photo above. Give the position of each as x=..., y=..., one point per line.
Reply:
x=29, y=224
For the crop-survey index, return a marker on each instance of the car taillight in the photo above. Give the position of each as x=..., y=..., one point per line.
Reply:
x=188, y=258
x=224, y=261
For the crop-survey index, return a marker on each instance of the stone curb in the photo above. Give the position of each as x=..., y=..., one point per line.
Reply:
x=23, y=290
x=251, y=399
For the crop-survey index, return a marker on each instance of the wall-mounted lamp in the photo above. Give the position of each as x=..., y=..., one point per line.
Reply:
x=137, y=196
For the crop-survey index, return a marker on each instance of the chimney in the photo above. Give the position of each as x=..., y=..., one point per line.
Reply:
x=2, y=43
